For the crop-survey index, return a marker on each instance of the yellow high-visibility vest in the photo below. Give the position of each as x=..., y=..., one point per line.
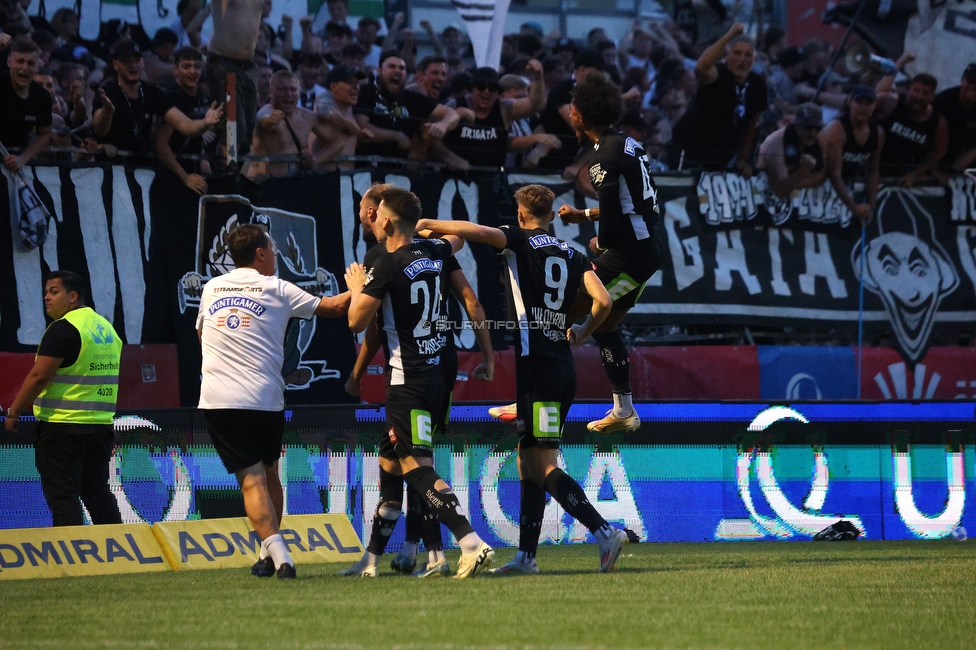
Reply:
x=86, y=391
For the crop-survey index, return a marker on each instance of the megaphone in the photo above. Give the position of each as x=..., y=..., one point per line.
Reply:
x=860, y=58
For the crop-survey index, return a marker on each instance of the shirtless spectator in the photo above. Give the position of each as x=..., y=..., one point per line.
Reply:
x=366, y=32
x=283, y=128
x=190, y=98
x=340, y=130
x=916, y=136
x=431, y=77
x=397, y=117
x=958, y=106
x=792, y=157
x=231, y=52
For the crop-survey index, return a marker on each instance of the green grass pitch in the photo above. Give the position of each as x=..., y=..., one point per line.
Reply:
x=745, y=595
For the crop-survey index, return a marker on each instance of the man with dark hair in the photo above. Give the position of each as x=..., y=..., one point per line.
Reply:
x=188, y=96
x=404, y=281
x=337, y=37
x=627, y=241
x=853, y=144
x=431, y=77
x=555, y=116
x=718, y=130
x=783, y=82
x=159, y=60
x=958, y=106
x=395, y=116
x=545, y=275
x=73, y=387
x=25, y=107
x=366, y=32
x=124, y=110
x=353, y=55
x=916, y=135
x=309, y=68
x=242, y=321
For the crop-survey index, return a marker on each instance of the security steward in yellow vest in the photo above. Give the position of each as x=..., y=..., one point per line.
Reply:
x=73, y=387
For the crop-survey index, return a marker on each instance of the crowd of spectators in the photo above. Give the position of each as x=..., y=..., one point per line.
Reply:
x=349, y=90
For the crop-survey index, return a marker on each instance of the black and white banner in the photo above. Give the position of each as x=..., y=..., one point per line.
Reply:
x=146, y=244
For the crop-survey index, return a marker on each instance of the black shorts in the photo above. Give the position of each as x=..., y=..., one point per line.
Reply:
x=411, y=410
x=243, y=438
x=449, y=370
x=544, y=388
x=625, y=276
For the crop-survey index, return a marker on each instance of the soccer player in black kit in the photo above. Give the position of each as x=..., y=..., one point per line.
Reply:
x=405, y=284
x=627, y=242
x=545, y=275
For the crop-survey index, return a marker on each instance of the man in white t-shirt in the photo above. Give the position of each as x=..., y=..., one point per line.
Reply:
x=242, y=322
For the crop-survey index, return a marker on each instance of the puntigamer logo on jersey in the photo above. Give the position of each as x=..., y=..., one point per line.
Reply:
x=234, y=320
x=423, y=264
x=538, y=241
x=237, y=302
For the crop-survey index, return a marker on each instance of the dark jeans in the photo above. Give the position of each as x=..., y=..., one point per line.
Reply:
x=218, y=67
x=72, y=460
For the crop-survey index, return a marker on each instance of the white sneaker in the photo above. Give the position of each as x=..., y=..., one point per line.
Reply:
x=516, y=566
x=612, y=423
x=361, y=569
x=505, y=413
x=610, y=550
x=439, y=569
x=403, y=563
x=472, y=564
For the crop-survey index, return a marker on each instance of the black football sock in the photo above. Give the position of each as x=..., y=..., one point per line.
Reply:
x=571, y=497
x=415, y=517
x=616, y=360
x=432, y=528
x=444, y=505
x=533, y=510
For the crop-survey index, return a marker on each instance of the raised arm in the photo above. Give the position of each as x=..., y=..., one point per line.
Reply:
x=705, y=68
x=462, y=290
x=362, y=308
x=465, y=230
x=190, y=128
x=516, y=109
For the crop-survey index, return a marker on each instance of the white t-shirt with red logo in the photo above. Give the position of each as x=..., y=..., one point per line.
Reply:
x=243, y=316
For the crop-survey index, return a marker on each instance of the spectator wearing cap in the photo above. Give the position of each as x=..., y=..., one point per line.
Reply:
x=431, y=77
x=555, y=116
x=916, y=135
x=852, y=150
x=394, y=117
x=25, y=107
x=958, y=106
x=482, y=136
x=718, y=129
x=566, y=49
x=340, y=131
x=283, y=128
x=783, y=81
x=792, y=157
x=191, y=98
x=309, y=68
x=532, y=28
x=521, y=137
x=125, y=108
